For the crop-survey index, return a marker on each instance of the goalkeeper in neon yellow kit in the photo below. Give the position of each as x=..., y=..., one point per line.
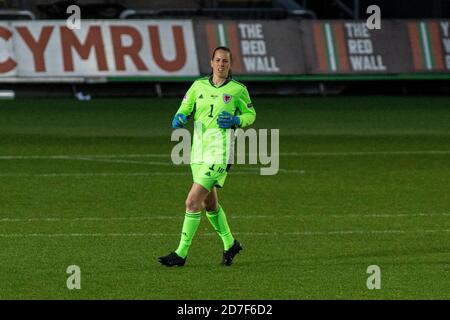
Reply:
x=216, y=103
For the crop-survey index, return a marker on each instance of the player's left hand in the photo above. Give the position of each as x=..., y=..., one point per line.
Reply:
x=227, y=120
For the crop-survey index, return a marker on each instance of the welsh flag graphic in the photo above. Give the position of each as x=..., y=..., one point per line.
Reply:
x=426, y=46
x=331, y=50
x=225, y=34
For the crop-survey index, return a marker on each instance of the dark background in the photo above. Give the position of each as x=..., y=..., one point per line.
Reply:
x=323, y=9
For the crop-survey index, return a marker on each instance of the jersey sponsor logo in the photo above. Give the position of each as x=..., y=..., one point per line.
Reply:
x=208, y=174
x=226, y=98
x=250, y=105
x=201, y=96
x=214, y=96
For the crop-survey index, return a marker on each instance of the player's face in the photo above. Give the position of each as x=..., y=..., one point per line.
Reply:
x=221, y=64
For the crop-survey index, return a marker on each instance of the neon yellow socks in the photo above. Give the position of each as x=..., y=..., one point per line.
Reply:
x=190, y=226
x=218, y=220
x=191, y=222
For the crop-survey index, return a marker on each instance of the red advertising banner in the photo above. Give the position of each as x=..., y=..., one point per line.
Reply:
x=7, y=63
x=99, y=48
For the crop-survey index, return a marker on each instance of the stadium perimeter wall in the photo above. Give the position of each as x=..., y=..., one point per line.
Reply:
x=166, y=52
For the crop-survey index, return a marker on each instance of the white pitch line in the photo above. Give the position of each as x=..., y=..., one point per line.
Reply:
x=240, y=171
x=95, y=174
x=292, y=171
x=343, y=232
x=250, y=234
x=69, y=156
x=179, y=216
x=365, y=153
x=154, y=163
x=89, y=158
x=86, y=219
x=287, y=154
x=54, y=235
x=386, y=215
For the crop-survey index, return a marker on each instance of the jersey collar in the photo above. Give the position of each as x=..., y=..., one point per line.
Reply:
x=212, y=83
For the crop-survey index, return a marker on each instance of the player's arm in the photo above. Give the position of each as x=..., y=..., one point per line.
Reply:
x=186, y=108
x=188, y=103
x=246, y=112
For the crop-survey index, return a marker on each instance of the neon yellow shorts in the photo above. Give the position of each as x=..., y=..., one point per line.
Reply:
x=209, y=176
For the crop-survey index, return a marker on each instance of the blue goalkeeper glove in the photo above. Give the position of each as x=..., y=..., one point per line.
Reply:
x=227, y=120
x=179, y=121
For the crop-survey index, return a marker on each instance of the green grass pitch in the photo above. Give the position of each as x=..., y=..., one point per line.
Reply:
x=364, y=181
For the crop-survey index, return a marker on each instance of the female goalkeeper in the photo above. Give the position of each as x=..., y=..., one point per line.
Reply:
x=216, y=103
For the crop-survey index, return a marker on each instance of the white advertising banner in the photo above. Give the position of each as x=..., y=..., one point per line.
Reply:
x=8, y=65
x=98, y=48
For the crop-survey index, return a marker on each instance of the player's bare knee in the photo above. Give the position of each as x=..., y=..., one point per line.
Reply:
x=192, y=205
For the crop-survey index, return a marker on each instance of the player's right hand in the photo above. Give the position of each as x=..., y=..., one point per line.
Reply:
x=179, y=121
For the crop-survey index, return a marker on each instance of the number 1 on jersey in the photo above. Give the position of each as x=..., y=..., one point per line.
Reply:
x=210, y=114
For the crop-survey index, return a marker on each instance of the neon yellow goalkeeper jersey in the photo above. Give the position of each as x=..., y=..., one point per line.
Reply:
x=205, y=102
